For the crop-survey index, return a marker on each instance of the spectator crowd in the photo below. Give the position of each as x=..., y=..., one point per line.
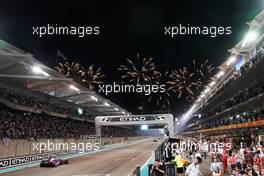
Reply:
x=237, y=119
x=244, y=159
x=241, y=97
x=26, y=125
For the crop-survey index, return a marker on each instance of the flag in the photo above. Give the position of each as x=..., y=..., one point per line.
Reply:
x=60, y=55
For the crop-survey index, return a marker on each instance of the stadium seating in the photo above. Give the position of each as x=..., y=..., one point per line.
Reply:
x=18, y=124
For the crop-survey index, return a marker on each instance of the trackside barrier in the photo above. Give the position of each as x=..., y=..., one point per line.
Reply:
x=144, y=170
x=157, y=154
x=159, y=151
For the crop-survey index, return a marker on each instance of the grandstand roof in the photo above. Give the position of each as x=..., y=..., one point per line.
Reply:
x=21, y=69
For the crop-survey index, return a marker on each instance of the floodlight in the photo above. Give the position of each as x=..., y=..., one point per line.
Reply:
x=220, y=74
x=207, y=90
x=74, y=88
x=38, y=70
x=80, y=111
x=212, y=83
x=231, y=60
x=144, y=127
x=106, y=104
x=250, y=37
x=94, y=98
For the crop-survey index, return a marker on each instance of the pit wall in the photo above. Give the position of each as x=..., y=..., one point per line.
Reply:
x=21, y=147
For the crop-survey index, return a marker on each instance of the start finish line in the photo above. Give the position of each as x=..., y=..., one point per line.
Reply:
x=147, y=119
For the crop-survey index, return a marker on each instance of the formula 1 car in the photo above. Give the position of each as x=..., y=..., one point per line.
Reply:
x=53, y=162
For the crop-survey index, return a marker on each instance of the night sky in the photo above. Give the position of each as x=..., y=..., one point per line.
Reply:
x=127, y=28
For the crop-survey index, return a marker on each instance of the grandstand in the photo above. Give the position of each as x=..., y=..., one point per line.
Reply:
x=25, y=75
x=230, y=109
x=38, y=103
x=232, y=103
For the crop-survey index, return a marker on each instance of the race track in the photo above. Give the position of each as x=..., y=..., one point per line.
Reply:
x=114, y=162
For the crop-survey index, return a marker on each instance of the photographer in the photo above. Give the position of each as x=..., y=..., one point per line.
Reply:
x=157, y=169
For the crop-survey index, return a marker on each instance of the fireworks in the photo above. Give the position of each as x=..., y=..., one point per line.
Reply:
x=69, y=69
x=141, y=72
x=203, y=71
x=182, y=82
x=91, y=77
x=185, y=81
x=87, y=76
x=160, y=97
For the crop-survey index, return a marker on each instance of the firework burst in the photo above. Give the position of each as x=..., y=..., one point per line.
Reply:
x=69, y=69
x=182, y=81
x=186, y=81
x=160, y=97
x=142, y=71
x=91, y=77
x=203, y=71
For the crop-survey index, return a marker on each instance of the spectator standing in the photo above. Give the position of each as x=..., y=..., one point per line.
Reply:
x=179, y=164
x=193, y=169
x=213, y=165
x=198, y=156
x=216, y=172
x=233, y=159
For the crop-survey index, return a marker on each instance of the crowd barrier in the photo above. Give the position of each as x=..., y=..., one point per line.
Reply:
x=144, y=170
